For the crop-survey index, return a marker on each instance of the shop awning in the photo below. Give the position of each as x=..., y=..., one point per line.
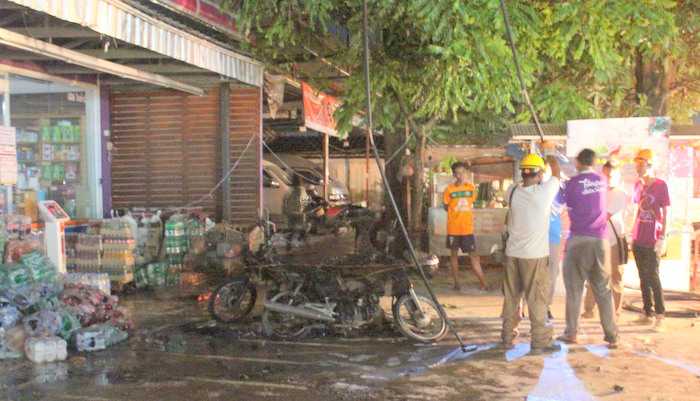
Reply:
x=32, y=45
x=116, y=19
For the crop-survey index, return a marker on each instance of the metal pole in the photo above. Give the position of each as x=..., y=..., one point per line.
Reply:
x=367, y=150
x=518, y=72
x=224, y=126
x=414, y=257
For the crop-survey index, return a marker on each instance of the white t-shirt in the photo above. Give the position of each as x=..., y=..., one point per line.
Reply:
x=528, y=219
x=617, y=205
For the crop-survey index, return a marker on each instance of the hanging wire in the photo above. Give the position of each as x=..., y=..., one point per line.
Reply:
x=387, y=189
x=211, y=192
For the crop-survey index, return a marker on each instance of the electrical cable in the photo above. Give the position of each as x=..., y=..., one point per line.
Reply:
x=412, y=251
x=216, y=187
x=523, y=88
x=396, y=153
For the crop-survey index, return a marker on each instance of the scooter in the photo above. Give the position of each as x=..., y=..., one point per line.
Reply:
x=336, y=219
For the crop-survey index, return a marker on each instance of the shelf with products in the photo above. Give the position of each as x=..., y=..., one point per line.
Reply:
x=49, y=155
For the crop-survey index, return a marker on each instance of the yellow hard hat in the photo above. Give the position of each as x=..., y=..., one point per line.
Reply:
x=532, y=161
x=645, y=154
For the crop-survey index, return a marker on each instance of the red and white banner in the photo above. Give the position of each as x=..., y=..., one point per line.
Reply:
x=318, y=110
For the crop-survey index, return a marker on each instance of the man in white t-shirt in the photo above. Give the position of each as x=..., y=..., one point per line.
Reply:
x=617, y=203
x=527, y=251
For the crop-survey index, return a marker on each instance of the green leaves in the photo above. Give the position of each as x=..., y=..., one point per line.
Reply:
x=449, y=58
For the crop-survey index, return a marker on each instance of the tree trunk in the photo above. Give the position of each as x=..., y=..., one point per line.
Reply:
x=392, y=141
x=418, y=184
x=653, y=76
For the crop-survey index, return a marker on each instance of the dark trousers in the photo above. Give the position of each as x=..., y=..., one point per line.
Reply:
x=648, y=265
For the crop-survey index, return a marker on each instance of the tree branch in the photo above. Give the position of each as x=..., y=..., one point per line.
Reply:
x=404, y=110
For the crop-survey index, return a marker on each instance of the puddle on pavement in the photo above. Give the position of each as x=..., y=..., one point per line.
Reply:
x=418, y=363
x=558, y=382
x=673, y=362
x=517, y=352
x=599, y=350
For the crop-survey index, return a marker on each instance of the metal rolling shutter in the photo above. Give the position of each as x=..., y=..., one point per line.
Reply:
x=166, y=149
x=245, y=121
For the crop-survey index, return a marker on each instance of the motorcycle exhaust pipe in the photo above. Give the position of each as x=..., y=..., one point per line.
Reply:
x=297, y=311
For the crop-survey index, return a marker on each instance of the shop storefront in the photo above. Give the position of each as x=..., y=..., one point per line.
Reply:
x=90, y=97
x=56, y=141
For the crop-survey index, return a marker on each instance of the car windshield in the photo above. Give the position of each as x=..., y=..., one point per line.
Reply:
x=309, y=175
x=278, y=172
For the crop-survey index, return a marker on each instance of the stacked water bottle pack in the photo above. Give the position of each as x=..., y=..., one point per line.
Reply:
x=176, y=247
x=40, y=316
x=118, y=246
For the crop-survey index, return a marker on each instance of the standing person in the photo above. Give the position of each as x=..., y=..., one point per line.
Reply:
x=616, y=205
x=527, y=251
x=554, y=249
x=587, y=248
x=458, y=199
x=295, y=205
x=648, y=235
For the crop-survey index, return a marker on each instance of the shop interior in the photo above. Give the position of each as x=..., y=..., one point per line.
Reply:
x=50, y=123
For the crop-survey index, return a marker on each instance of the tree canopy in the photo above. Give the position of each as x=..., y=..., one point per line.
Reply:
x=448, y=60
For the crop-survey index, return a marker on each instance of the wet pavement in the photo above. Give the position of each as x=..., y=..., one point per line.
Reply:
x=178, y=353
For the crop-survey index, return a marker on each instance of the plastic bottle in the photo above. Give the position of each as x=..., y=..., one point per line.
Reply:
x=9, y=316
x=17, y=276
x=90, y=340
x=43, y=323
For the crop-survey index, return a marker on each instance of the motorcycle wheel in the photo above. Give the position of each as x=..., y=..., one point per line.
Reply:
x=431, y=328
x=233, y=300
x=285, y=326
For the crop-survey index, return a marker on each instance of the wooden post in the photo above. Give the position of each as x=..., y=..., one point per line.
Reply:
x=325, y=166
x=224, y=127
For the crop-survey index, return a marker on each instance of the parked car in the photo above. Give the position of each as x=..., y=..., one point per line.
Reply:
x=277, y=182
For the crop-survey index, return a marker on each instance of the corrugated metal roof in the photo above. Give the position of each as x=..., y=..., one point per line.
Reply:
x=116, y=19
x=531, y=129
x=683, y=129
x=560, y=129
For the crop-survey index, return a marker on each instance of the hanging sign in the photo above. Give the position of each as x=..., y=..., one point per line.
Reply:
x=8, y=156
x=318, y=110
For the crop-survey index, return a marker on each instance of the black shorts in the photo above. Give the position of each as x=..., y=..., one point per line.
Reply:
x=465, y=243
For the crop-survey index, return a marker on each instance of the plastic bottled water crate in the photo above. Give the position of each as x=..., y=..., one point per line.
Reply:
x=96, y=280
x=46, y=349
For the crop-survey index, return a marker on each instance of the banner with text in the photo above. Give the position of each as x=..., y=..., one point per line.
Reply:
x=318, y=110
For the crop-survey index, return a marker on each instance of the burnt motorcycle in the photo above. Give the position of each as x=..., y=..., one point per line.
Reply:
x=347, y=298
x=234, y=299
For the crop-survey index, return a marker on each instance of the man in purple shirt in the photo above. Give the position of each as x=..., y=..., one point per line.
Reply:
x=587, y=248
x=648, y=234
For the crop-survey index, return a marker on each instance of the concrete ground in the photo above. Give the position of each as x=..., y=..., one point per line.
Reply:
x=178, y=353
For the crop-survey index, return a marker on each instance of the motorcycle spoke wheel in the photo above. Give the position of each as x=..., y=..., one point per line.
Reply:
x=285, y=326
x=427, y=327
x=232, y=301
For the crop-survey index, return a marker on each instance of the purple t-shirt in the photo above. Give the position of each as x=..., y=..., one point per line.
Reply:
x=585, y=196
x=648, y=225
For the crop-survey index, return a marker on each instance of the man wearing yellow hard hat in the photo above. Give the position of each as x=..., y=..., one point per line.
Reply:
x=648, y=235
x=527, y=251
